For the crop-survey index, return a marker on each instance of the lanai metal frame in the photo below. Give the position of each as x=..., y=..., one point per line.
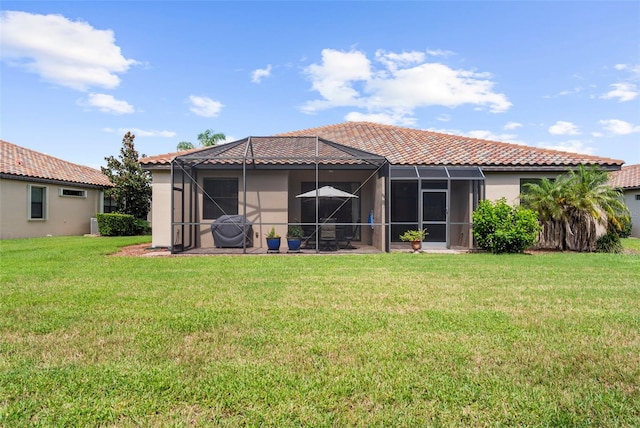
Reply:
x=255, y=153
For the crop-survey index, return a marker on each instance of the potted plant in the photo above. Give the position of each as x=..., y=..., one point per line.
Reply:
x=294, y=237
x=273, y=240
x=415, y=237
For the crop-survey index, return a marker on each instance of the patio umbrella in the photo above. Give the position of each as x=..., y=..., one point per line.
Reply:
x=326, y=192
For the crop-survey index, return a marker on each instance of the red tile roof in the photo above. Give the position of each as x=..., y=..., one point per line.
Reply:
x=19, y=162
x=413, y=146
x=627, y=178
x=417, y=147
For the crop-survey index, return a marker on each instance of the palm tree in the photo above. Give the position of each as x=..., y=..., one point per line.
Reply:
x=548, y=199
x=574, y=210
x=206, y=138
x=209, y=138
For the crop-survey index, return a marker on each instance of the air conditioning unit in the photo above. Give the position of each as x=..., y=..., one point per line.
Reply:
x=94, y=226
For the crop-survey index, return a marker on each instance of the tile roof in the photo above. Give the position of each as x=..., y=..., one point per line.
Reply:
x=627, y=178
x=417, y=147
x=20, y=162
x=413, y=146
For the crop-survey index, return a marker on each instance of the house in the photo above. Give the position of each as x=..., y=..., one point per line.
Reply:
x=628, y=179
x=41, y=195
x=403, y=178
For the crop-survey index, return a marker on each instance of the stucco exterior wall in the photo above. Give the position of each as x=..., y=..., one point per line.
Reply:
x=266, y=204
x=507, y=185
x=66, y=215
x=161, y=208
x=634, y=208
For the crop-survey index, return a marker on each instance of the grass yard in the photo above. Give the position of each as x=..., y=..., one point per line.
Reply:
x=398, y=339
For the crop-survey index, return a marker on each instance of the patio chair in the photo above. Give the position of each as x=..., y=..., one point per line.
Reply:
x=351, y=233
x=328, y=240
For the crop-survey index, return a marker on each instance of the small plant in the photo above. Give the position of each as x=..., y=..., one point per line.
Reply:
x=272, y=233
x=414, y=235
x=295, y=231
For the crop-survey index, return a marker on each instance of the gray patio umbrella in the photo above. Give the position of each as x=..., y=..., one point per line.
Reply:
x=326, y=192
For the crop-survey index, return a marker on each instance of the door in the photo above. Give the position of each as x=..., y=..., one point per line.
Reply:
x=434, y=216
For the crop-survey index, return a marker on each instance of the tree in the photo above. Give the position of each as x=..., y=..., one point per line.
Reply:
x=185, y=145
x=132, y=185
x=575, y=209
x=206, y=138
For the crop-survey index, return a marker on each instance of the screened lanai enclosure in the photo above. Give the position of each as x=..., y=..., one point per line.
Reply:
x=255, y=181
x=257, y=184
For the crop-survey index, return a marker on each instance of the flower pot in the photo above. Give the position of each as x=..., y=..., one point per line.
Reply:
x=273, y=244
x=294, y=244
x=416, y=245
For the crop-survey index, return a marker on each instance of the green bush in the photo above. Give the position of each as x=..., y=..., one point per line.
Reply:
x=627, y=225
x=609, y=243
x=501, y=228
x=113, y=224
x=142, y=227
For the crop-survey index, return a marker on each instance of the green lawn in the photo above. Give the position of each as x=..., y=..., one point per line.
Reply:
x=396, y=339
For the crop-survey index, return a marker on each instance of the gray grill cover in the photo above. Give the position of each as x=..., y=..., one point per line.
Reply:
x=227, y=232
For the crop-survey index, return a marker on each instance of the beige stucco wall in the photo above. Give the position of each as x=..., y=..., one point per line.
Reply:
x=161, y=208
x=507, y=185
x=267, y=193
x=65, y=215
x=634, y=209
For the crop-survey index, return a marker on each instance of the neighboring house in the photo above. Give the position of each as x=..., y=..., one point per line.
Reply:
x=628, y=179
x=404, y=179
x=41, y=195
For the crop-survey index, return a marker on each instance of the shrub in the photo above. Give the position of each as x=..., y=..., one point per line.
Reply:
x=142, y=227
x=500, y=228
x=113, y=224
x=609, y=243
x=626, y=226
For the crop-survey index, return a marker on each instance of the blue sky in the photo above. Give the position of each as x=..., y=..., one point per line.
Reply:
x=78, y=75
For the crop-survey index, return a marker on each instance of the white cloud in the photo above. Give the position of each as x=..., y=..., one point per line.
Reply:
x=573, y=146
x=563, y=128
x=512, y=125
x=141, y=132
x=396, y=85
x=204, y=106
x=65, y=52
x=260, y=73
x=481, y=134
x=488, y=135
x=619, y=127
x=443, y=118
x=624, y=91
x=107, y=104
x=439, y=52
x=384, y=118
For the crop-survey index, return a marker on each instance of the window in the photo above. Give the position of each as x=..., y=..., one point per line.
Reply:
x=220, y=197
x=37, y=209
x=75, y=193
x=109, y=204
x=637, y=197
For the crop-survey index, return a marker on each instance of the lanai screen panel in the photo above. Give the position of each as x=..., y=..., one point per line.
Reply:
x=243, y=156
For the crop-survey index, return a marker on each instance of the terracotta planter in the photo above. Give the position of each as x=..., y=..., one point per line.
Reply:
x=416, y=245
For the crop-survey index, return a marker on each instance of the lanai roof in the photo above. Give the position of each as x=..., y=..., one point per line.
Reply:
x=408, y=146
x=627, y=178
x=20, y=163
